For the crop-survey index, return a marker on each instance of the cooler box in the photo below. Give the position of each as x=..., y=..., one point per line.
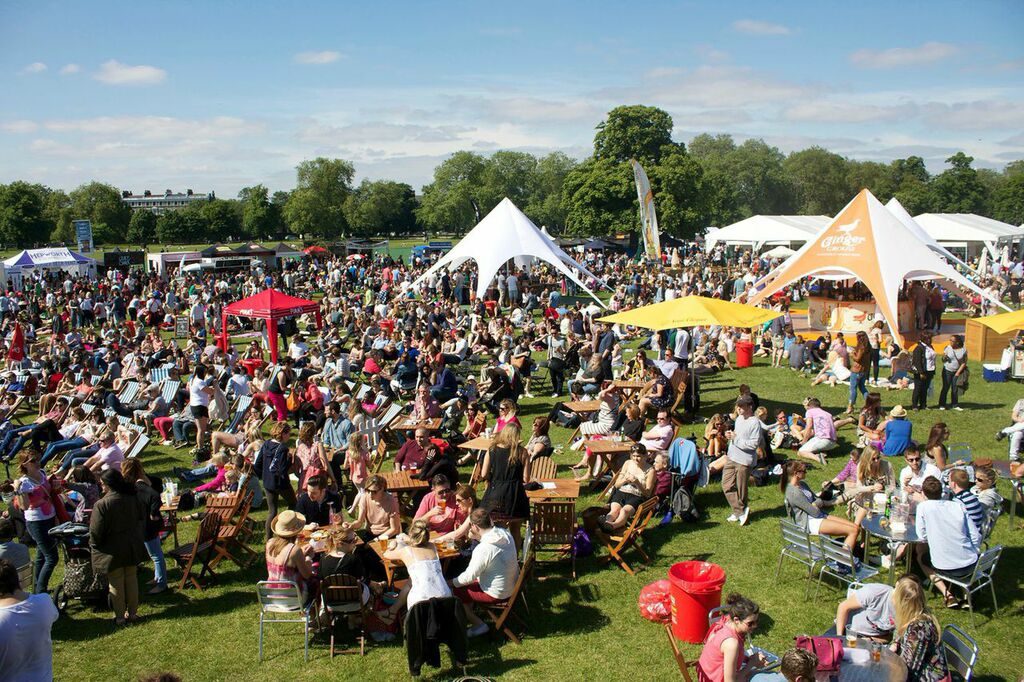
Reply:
x=995, y=374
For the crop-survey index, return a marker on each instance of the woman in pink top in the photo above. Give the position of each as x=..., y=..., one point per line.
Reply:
x=507, y=414
x=723, y=658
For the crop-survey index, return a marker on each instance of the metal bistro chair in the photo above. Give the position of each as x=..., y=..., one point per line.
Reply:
x=798, y=545
x=981, y=577
x=281, y=602
x=837, y=561
x=961, y=652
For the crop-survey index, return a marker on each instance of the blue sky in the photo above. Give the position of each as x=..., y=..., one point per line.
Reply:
x=220, y=95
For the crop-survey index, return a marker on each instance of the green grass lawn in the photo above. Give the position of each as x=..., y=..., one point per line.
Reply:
x=584, y=629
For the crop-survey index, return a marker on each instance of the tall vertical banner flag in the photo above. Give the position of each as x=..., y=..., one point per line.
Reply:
x=83, y=233
x=648, y=218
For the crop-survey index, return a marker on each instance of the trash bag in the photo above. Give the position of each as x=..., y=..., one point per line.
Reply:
x=655, y=603
x=581, y=543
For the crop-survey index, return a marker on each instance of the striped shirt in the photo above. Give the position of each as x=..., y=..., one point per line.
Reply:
x=972, y=505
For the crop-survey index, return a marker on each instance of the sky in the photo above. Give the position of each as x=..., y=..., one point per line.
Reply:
x=216, y=96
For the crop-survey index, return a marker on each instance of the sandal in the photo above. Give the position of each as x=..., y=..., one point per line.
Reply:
x=951, y=602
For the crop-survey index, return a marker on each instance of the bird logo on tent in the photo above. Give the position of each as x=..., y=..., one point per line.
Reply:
x=849, y=227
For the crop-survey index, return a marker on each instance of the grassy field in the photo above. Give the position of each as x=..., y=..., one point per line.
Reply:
x=584, y=629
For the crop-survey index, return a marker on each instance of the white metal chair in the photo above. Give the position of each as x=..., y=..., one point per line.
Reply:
x=281, y=602
x=837, y=561
x=991, y=518
x=980, y=578
x=798, y=545
x=961, y=652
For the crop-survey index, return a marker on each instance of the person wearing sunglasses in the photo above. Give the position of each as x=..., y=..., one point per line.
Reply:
x=913, y=475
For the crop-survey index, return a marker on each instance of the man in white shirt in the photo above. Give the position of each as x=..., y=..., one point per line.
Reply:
x=1016, y=431
x=26, y=650
x=492, y=572
x=953, y=540
x=682, y=347
x=916, y=471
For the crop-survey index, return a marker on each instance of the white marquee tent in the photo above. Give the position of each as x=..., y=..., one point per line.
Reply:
x=759, y=230
x=896, y=208
x=969, y=231
x=505, y=234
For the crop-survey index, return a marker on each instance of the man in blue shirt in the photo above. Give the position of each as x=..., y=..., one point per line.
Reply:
x=952, y=539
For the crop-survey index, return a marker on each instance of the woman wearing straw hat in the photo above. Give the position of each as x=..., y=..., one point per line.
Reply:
x=285, y=559
x=897, y=431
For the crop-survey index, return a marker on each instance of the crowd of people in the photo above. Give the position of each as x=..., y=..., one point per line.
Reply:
x=97, y=361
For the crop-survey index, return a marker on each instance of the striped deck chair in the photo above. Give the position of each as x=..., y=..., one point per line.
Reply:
x=242, y=406
x=87, y=408
x=389, y=415
x=363, y=391
x=158, y=374
x=169, y=389
x=138, y=445
x=129, y=392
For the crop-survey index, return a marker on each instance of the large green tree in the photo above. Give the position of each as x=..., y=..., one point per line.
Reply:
x=57, y=210
x=958, y=189
x=600, y=198
x=633, y=132
x=546, y=206
x=819, y=179
x=508, y=174
x=1008, y=198
x=101, y=203
x=171, y=228
x=222, y=218
x=22, y=218
x=316, y=207
x=448, y=202
x=677, y=181
x=258, y=214
x=381, y=208
x=871, y=175
x=142, y=228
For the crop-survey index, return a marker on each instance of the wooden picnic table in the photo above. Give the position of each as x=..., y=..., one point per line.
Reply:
x=609, y=450
x=305, y=536
x=564, y=488
x=410, y=424
x=445, y=552
x=582, y=406
x=478, y=443
x=403, y=481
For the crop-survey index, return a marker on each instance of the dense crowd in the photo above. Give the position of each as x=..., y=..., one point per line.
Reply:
x=96, y=362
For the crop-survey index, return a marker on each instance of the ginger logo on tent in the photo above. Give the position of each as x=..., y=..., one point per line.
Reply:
x=845, y=241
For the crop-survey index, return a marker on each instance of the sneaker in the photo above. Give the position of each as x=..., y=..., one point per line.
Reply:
x=478, y=630
x=527, y=395
x=821, y=458
x=942, y=408
x=886, y=561
x=743, y=517
x=1000, y=435
x=732, y=518
x=166, y=442
x=554, y=395
x=958, y=408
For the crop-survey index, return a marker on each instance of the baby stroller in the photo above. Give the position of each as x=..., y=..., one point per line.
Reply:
x=79, y=580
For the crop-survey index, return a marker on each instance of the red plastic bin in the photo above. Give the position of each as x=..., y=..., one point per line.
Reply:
x=696, y=588
x=744, y=354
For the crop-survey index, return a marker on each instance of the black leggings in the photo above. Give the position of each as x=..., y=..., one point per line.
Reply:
x=920, y=397
x=286, y=495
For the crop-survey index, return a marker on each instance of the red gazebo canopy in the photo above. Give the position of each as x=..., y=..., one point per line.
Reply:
x=270, y=305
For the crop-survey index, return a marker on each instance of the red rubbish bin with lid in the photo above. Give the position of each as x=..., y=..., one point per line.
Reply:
x=696, y=588
x=744, y=354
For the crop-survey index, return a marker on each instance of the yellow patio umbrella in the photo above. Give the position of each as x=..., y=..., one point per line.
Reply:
x=1004, y=322
x=692, y=311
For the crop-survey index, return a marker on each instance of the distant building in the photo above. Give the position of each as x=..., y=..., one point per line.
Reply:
x=159, y=203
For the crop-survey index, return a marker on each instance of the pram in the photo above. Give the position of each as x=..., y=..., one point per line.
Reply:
x=79, y=580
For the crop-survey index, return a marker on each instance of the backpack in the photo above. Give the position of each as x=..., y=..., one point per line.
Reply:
x=683, y=506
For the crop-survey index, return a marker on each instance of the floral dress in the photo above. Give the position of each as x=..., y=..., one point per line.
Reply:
x=920, y=647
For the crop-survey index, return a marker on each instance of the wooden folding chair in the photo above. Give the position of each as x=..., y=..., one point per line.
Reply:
x=342, y=596
x=233, y=535
x=202, y=551
x=684, y=665
x=378, y=457
x=499, y=612
x=679, y=386
x=543, y=469
x=552, y=529
x=618, y=544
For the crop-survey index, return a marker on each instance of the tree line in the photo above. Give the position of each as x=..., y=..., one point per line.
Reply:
x=712, y=180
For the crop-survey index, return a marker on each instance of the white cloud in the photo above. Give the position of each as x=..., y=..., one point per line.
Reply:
x=896, y=57
x=322, y=57
x=69, y=69
x=709, y=87
x=760, y=28
x=19, y=126
x=977, y=115
x=846, y=112
x=114, y=72
x=157, y=128
x=34, y=67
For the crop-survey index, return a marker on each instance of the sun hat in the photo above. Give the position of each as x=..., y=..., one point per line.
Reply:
x=898, y=412
x=288, y=523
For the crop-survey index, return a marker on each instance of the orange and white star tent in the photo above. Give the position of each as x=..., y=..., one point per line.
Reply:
x=867, y=242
